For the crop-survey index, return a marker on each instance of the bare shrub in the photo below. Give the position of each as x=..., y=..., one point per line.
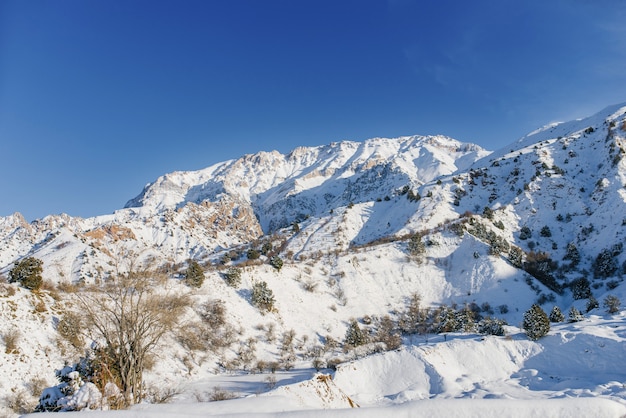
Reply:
x=19, y=401
x=70, y=328
x=37, y=385
x=193, y=336
x=270, y=381
x=129, y=315
x=260, y=366
x=161, y=395
x=213, y=313
x=309, y=286
x=67, y=287
x=219, y=394
x=11, y=339
x=318, y=363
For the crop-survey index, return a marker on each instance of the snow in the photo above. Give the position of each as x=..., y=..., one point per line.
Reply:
x=343, y=203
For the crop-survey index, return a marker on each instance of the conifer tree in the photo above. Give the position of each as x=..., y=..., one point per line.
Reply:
x=27, y=272
x=536, y=322
x=262, y=296
x=556, y=315
x=355, y=335
x=194, y=276
x=574, y=315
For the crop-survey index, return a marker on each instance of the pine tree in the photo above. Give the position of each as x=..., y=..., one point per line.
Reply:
x=574, y=315
x=262, y=296
x=556, y=315
x=536, y=322
x=354, y=334
x=194, y=276
x=233, y=277
x=27, y=272
x=516, y=256
x=416, y=247
x=492, y=326
x=276, y=262
x=592, y=303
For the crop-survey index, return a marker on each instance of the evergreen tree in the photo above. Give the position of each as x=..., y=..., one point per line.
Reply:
x=27, y=272
x=233, y=277
x=580, y=288
x=592, y=303
x=276, y=262
x=556, y=315
x=354, y=334
x=253, y=254
x=194, y=276
x=492, y=326
x=574, y=315
x=416, y=247
x=572, y=254
x=516, y=256
x=465, y=319
x=447, y=320
x=605, y=264
x=536, y=323
x=262, y=296
x=545, y=232
x=409, y=319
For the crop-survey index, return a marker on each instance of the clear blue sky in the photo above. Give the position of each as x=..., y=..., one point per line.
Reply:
x=100, y=97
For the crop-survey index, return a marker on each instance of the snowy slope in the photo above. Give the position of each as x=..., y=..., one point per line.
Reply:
x=340, y=216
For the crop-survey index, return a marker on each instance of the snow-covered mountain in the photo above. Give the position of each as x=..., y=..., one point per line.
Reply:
x=502, y=230
x=186, y=215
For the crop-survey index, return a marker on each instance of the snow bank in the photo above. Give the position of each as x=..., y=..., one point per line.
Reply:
x=463, y=408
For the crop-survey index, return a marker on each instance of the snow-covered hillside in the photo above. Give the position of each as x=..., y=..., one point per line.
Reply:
x=540, y=221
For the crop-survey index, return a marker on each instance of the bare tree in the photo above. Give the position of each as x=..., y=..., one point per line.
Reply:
x=127, y=316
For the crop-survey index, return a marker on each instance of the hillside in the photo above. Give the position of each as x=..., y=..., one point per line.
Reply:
x=542, y=220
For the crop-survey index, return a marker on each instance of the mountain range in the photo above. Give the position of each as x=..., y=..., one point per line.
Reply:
x=524, y=224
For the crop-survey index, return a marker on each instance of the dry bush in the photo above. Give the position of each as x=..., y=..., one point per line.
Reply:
x=259, y=366
x=309, y=286
x=219, y=394
x=193, y=336
x=161, y=395
x=70, y=328
x=37, y=386
x=11, y=290
x=270, y=381
x=40, y=307
x=67, y=287
x=19, y=401
x=11, y=340
x=213, y=313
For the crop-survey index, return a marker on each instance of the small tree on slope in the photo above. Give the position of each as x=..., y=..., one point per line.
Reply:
x=556, y=315
x=262, y=297
x=194, y=276
x=127, y=316
x=536, y=322
x=27, y=273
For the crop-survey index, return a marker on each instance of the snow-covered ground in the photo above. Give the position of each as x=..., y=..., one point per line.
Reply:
x=569, y=373
x=349, y=260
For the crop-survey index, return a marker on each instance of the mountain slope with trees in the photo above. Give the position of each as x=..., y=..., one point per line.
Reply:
x=326, y=255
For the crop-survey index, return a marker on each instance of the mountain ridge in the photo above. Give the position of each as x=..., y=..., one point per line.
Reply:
x=359, y=230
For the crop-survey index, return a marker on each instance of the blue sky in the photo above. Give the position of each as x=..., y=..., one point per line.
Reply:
x=98, y=98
